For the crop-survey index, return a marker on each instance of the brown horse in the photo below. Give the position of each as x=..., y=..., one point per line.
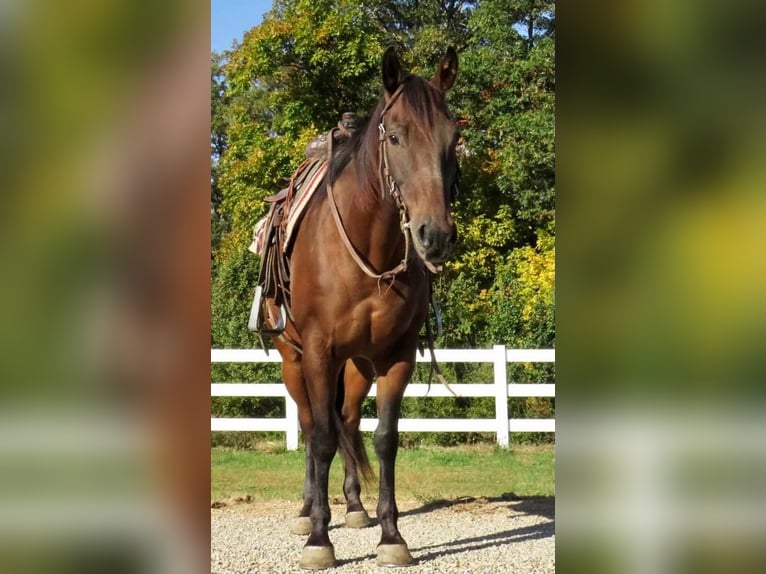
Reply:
x=359, y=295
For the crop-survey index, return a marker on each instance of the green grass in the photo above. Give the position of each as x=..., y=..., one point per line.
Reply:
x=424, y=474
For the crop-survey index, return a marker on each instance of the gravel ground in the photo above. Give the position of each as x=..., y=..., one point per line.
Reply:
x=468, y=535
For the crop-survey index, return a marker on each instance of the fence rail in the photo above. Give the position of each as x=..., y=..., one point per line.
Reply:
x=500, y=389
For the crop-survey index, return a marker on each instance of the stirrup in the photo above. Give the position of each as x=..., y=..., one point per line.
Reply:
x=256, y=311
x=280, y=327
x=256, y=320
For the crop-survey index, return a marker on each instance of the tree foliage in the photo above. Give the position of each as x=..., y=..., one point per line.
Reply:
x=309, y=61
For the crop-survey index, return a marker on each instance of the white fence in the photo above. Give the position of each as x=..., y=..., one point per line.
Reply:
x=499, y=356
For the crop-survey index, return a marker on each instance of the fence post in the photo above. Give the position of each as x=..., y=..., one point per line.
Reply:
x=291, y=416
x=501, y=395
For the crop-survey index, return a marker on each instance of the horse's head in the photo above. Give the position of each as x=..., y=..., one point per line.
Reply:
x=418, y=146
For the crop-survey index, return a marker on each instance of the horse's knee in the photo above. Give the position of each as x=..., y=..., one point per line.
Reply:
x=351, y=421
x=386, y=442
x=324, y=443
x=306, y=422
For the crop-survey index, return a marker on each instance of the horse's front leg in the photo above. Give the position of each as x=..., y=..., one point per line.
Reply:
x=292, y=375
x=302, y=523
x=321, y=374
x=392, y=550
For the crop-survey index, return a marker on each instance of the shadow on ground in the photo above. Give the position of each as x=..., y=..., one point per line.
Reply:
x=543, y=506
x=534, y=505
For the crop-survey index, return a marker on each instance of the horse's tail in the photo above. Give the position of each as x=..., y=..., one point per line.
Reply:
x=350, y=442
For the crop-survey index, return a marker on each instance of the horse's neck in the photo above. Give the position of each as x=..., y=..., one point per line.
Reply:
x=372, y=223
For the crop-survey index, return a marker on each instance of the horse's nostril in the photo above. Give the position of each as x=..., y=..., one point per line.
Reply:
x=423, y=235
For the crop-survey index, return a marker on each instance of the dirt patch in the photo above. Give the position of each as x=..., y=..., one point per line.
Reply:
x=246, y=505
x=233, y=500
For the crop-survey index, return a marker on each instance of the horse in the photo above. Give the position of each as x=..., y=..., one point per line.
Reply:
x=360, y=268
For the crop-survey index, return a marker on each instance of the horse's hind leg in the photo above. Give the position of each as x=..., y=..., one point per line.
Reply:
x=392, y=550
x=356, y=384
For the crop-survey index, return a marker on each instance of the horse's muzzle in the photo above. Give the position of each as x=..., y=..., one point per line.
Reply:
x=434, y=242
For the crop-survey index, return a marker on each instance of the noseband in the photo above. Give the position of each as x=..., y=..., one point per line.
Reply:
x=386, y=182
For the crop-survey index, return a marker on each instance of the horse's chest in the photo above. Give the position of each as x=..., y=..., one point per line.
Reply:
x=382, y=321
x=388, y=320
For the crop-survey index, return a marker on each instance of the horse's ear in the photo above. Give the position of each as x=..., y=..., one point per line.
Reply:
x=447, y=71
x=392, y=71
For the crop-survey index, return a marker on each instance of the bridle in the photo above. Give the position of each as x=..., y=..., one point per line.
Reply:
x=386, y=182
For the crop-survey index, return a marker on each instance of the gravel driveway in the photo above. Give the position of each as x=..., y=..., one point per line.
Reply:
x=468, y=535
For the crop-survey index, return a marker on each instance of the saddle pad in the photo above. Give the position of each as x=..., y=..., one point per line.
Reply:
x=303, y=191
x=304, y=183
x=258, y=236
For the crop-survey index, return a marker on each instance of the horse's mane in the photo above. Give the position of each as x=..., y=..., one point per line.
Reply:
x=421, y=101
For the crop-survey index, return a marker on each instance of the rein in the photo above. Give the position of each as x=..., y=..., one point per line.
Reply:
x=386, y=181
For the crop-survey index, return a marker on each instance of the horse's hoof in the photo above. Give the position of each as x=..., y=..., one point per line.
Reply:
x=300, y=525
x=357, y=519
x=317, y=557
x=394, y=555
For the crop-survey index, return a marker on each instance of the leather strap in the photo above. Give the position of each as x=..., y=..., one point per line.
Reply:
x=403, y=223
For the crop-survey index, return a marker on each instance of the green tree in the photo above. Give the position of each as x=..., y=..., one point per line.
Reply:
x=422, y=28
x=219, y=103
x=522, y=297
x=505, y=102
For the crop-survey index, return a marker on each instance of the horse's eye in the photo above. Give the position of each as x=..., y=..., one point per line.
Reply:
x=393, y=139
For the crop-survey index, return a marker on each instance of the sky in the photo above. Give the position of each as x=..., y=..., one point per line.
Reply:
x=230, y=19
